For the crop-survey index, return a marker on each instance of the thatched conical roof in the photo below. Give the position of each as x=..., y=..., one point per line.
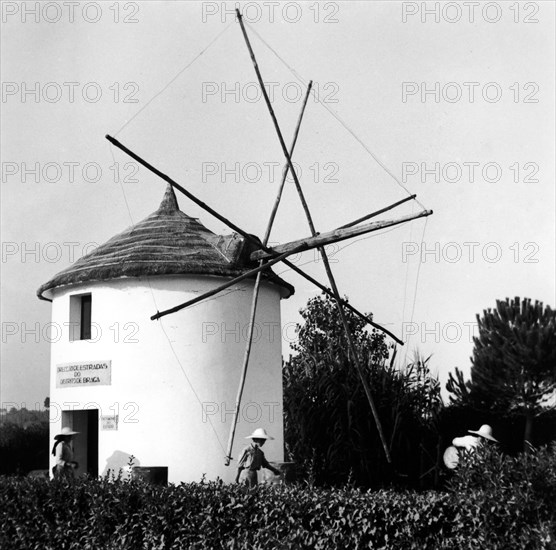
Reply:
x=168, y=242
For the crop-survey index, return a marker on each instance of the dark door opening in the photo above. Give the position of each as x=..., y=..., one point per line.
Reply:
x=85, y=443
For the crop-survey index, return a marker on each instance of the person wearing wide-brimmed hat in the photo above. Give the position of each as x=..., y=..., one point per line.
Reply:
x=62, y=451
x=484, y=433
x=252, y=459
x=467, y=443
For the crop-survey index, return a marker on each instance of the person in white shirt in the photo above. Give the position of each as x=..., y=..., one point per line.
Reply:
x=467, y=443
x=63, y=452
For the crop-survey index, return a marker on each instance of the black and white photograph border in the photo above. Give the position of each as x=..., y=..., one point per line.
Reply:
x=187, y=185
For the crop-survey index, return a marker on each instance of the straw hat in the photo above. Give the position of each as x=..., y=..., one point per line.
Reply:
x=259, y=433
x=65, y=432
x=485, y=431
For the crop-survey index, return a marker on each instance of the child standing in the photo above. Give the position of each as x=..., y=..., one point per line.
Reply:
x=252, y=459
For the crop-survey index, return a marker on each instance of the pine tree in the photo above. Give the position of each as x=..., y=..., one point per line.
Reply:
x=514, y=360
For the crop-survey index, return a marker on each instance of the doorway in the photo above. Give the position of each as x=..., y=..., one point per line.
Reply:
x=85, y=444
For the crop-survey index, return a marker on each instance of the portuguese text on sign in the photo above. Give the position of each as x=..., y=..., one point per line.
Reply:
x=109, y=422
x=84, y=373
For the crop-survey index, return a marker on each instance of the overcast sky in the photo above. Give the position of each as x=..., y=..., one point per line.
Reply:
x=455, y=101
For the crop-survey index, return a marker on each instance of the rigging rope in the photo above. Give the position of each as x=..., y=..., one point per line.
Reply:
x=416, y=286
x=165, y=87
x=147, y=279
x=373, y=156
x=407, y=274
x=111, y=147
x=336, y=116
x=174, y=78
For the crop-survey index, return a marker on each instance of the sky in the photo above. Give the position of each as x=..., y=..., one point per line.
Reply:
x=453, y=102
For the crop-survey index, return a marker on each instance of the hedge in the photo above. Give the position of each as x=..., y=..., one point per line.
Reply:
x=116, y=514
x=23, y=447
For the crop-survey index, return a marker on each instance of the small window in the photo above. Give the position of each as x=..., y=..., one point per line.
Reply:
x=80, y=317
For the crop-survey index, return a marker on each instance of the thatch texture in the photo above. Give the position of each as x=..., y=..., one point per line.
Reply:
x=168, y=242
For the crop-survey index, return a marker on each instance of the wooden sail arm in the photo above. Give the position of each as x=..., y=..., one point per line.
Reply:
x=255, y=297
x=334, y=236
x=220, y=288
x=373, y=214
x=314, y=234
x=258, y=269
x=246, y=235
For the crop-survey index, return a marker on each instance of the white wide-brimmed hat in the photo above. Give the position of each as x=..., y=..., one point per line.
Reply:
x=485, y=431
x=65, y=431
x=259, y=433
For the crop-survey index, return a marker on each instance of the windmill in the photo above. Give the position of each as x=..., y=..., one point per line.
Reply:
x=268, y=256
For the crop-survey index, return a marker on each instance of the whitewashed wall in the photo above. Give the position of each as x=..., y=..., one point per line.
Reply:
x=174, y=381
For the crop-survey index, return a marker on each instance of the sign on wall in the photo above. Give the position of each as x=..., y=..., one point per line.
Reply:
x=83, y=373
x=109, y=422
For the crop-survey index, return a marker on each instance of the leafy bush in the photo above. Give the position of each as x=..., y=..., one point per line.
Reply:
x=456, y=418
x=513, y=490
x=23, y=447
x=490, y=505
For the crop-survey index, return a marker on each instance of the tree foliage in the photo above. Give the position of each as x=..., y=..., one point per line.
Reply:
x=514, y=362
x=23, y=441
x=329, y=428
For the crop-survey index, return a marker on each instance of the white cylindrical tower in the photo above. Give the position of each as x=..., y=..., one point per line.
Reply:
x=164, y=391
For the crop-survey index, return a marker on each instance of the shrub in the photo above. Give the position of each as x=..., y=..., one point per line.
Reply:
x=23, y=447
x=494, y=504
x=518, y=493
